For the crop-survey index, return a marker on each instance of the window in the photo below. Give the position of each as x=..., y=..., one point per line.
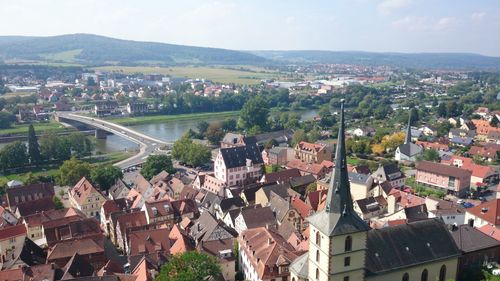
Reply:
x=442, y=273
x=348, y=243
x=347, y=261
x=318, y=239
x=317, y=255
x=425, y=275
x=346, y=278
x=317, y=273
x=406, y=277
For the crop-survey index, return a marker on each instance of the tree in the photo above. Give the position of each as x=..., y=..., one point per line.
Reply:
x=254, y=113
x=271, y=143
x=391, y=142
x=80, y=144
x=202, y=127
x=57, y=202
x=49, y=146
x=6, y=119
x=189, y=266
x=71, y=171
x=494, y=121
x=378, y=149
x=155, y=164
x=190, y=153
x=33, y=146
x=441, y=110
x=229, y=125
x=429, y=155
x=214, y=133
x=13, y=155
x=298, y=136
x=105, y=176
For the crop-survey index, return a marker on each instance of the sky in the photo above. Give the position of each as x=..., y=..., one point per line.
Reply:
x=471, y=26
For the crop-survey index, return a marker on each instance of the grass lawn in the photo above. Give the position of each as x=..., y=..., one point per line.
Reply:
x=216, y=74
x=165, y=118
x=352, y=161
x=39, y=128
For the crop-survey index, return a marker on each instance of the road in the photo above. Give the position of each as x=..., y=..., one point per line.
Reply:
x=147, y=145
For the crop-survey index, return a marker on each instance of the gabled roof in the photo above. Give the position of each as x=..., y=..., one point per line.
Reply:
x=82, y=190
x=442, y=169
x=470, y=239
x=149, y=241
x=282, y=176
x=208, y=228
x=65, y=249
x=34, y=206
x=267, y=250
x=258, y=216
x=237, y=156
x=407, y=245
x=118, y=188
x=78, y=266
x=12, y=231
x=45, y=189
x=488, y=211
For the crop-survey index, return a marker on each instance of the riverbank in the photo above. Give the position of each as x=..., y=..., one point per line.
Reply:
x=50, y=170
x=40, y=128
x=139, y=120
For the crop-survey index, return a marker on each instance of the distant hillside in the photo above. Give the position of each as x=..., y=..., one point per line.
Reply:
x=94, y=50
x=412, y=60
x=90, y=49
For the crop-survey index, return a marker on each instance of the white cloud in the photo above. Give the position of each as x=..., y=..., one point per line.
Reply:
x=290, y=20
x=478, y=16
x=414, y=23
x=388, y=6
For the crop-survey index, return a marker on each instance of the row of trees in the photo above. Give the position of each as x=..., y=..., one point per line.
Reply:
x=72, y=170
x=49, y=148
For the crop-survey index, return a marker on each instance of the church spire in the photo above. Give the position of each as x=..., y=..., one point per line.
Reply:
x=408, y=130
x=339, y=194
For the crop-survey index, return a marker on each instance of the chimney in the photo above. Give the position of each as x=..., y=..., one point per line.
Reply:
x=269, y=240
x=471, y=222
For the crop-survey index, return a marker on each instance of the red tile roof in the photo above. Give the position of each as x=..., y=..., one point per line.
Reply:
x=82, y=190
x=12, y=231
x=492, y=214
x=491, y=231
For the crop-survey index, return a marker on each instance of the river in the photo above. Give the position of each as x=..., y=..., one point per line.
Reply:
x=168, y=131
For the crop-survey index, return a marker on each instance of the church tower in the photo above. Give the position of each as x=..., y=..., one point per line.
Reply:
x=408, y=130
x=337, y=241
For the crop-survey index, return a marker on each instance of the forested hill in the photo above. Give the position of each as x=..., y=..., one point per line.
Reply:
x=87, y=49
x=411, y=60
x=94, y=50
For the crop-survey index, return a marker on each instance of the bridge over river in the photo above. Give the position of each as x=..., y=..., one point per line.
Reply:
x=147, y=144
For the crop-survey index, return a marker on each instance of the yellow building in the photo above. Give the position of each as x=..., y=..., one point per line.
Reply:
x=342, y=247
x=86, y=198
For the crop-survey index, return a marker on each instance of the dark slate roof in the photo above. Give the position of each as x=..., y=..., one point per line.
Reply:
x=231, y=203
x=77, y=266
x=258, y=217
x=389, y=172
x=371, y=204
x=279, y=206
x=282, y=176
x=32, y=254
x=415, y=213
x=469, y=239
x=302, y=181
x=237, y=156
x=410, y=244
x=410, y=149
x=208, y=228
x=250, y=191
x=278, y=189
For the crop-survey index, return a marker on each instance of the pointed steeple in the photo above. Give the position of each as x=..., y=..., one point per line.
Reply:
x=338, y=217
x=339, y=194
x=408, y=130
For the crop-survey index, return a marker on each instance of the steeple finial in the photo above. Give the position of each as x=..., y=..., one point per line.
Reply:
x=408, y=130
x=339, y=195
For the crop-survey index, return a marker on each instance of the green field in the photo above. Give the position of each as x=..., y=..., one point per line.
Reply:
x=40, y=128
x=165, y=118
x=67, y=56
x=216, y=74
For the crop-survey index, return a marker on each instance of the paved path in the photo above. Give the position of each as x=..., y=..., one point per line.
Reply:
x=148, y=145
